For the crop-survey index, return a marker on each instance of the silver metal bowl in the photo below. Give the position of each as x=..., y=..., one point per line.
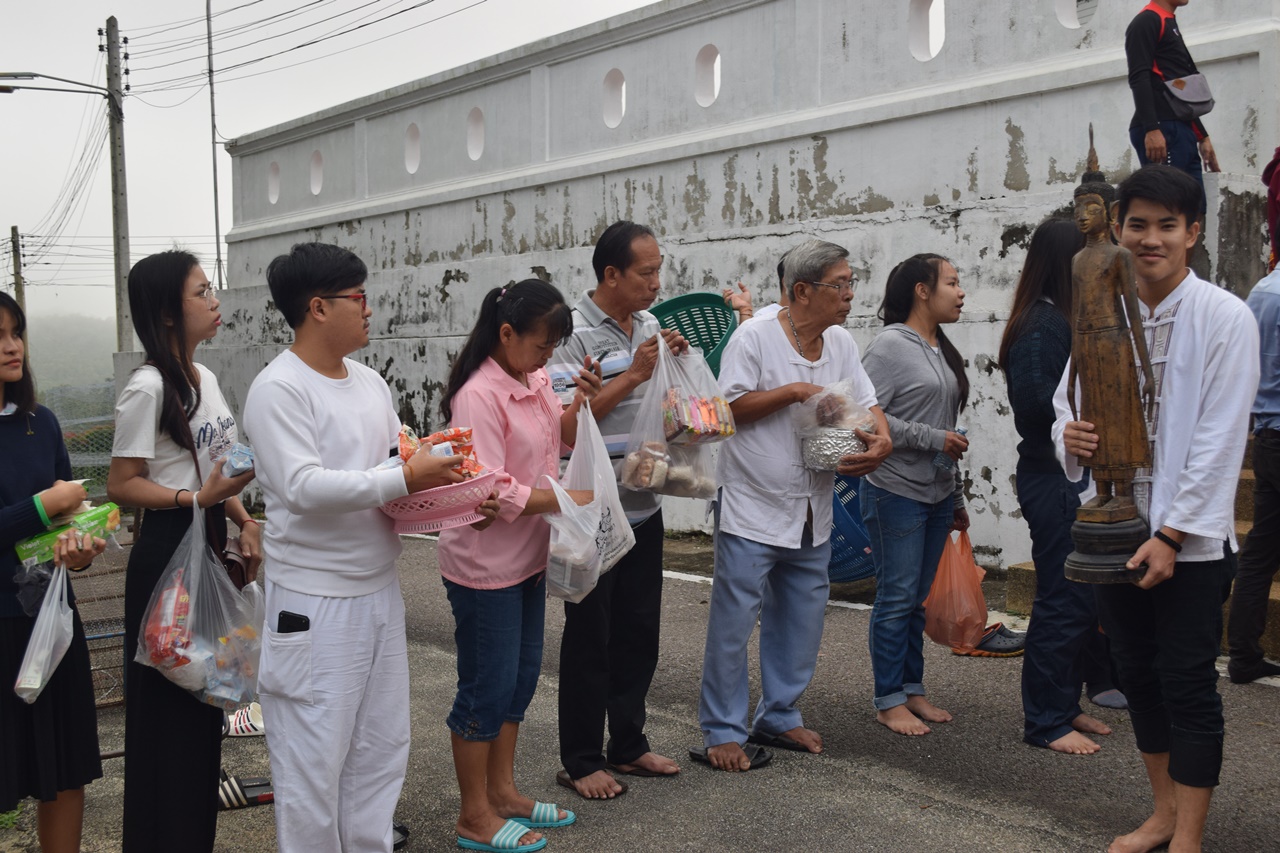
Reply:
x=822, y=449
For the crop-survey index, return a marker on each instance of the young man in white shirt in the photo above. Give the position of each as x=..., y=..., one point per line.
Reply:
x=334, y=675
x=1166, y=627
x=777, y=571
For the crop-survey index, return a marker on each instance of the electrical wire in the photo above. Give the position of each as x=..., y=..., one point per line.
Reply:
x=177, y=25
x=199, y=40
x=177, y=86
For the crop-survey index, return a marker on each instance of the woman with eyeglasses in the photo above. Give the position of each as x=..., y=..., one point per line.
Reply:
x=49, y=748
x=912, y=502
x=172, y=429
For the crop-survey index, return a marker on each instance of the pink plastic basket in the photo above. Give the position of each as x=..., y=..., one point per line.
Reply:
x=440, y=508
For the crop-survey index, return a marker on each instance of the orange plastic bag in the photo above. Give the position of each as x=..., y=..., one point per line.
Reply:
x=955, y=613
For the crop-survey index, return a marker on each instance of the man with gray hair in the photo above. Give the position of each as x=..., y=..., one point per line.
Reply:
x=778, y=571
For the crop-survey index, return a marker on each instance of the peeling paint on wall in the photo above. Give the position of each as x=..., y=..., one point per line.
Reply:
x=1016, y=176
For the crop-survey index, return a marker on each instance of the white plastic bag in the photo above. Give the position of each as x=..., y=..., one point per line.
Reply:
x=586, y=541
x=50, y=639
x=199, y=630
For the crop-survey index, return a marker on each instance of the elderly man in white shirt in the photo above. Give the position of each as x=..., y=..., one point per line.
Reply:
x=778, y=570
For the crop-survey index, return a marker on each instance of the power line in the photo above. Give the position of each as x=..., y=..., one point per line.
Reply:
x=178, y=45
x=177, y=25
x=178, y=85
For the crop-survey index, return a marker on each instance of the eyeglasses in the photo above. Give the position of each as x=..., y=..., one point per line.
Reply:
x=205, y=293
x=843, y=287
x=362, y=296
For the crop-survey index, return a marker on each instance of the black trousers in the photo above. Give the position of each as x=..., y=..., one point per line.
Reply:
x=1259, y=558
x=607, y=659
x=1064, y=646
x=172, y=741
x=1164, y=642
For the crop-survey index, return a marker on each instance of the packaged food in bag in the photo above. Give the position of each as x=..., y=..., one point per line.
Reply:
x=49, y=641
x=199, y=630
x=586, y=541
x=681, y=414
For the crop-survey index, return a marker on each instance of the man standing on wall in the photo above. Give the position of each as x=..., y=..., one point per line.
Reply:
x=1166, y=626
x=609, y=651
x=1156, y=52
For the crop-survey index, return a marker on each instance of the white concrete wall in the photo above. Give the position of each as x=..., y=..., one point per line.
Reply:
x=825, y=125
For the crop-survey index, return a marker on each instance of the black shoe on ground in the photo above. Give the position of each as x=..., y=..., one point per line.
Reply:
x=1243, y=675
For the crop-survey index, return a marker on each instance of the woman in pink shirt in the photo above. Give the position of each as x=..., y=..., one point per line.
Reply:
x=496, y=581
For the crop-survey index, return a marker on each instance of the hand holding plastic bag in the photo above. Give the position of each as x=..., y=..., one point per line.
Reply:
x=199, y=630
x=589, y=540
x=955, y=613
x=50, y=639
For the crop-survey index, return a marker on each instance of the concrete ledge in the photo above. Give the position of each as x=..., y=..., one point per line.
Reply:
x=1020, y=592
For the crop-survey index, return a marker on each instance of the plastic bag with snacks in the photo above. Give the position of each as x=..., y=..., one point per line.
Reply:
x=199, y=630
x=682, y=412
x=826, y=424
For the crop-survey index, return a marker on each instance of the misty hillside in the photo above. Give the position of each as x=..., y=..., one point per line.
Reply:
x=71, y=349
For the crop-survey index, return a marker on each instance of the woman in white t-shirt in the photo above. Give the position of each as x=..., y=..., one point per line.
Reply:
x=170, y=411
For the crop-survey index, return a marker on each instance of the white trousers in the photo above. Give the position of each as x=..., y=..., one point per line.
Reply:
x=335, y=702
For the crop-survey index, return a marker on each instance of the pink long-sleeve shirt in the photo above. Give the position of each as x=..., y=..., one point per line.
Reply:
x=516, y=431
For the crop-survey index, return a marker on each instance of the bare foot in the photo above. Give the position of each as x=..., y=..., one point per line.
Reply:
x=651, y=762
x=483, y=830
x=926, y=710
x=902, y=721
x=1074, y=743
x=1090, y=725
x=807, y=738
x=1155, y=832
x=728, y=756
x=597, y=786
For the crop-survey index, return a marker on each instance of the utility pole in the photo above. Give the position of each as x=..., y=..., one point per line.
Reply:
x=213, y=138
x=19, y=290
x=119, y=191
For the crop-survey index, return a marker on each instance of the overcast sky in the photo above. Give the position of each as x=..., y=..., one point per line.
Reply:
x=169, y=160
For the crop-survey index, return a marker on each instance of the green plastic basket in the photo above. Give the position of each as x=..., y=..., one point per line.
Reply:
x=704, y=319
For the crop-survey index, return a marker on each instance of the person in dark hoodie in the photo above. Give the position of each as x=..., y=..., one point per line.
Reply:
x=1271, y=177
x=1156, y=53
x=910, y=503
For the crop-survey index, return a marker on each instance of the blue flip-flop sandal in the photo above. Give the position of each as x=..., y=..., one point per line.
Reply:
x=505, y=840
x=546, y=816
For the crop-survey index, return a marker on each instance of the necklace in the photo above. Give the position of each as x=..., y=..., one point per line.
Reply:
x=794, y=333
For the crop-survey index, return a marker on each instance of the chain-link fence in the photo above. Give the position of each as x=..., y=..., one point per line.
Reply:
x=87, y=415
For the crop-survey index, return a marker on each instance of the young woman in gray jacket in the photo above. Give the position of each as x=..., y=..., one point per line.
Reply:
x=914, y=499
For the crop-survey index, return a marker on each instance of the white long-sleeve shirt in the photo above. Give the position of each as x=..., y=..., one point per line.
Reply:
x=316, y=442
x=1204, y=351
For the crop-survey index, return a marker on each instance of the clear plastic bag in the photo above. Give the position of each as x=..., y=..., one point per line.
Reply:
x=682, y=412
x=955, y=613
x=199, y=630
x=826, y=424
x=50, y=639
x=586, y=541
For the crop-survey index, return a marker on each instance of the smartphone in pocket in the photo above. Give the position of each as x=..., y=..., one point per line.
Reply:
x=292, y=623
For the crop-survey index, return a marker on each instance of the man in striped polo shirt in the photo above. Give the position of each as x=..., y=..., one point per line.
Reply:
x=610, y=646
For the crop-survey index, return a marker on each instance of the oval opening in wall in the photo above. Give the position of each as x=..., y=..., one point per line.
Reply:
x=317, y=172
x=1074, y=14
x=273, y=182
x=412, y=149
x=926, y=28
x=615, y=98
x=475, y=133
x=706, y=75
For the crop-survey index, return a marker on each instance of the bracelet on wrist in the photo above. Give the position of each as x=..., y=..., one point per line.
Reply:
x=1168, y=540
x=176, y=503
x=249, y=521
x=44, y=516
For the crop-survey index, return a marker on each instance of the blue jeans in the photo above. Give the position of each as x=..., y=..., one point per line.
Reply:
x=1182, y=151
x=498, y=633
x=786, y=588
x=907, y=538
